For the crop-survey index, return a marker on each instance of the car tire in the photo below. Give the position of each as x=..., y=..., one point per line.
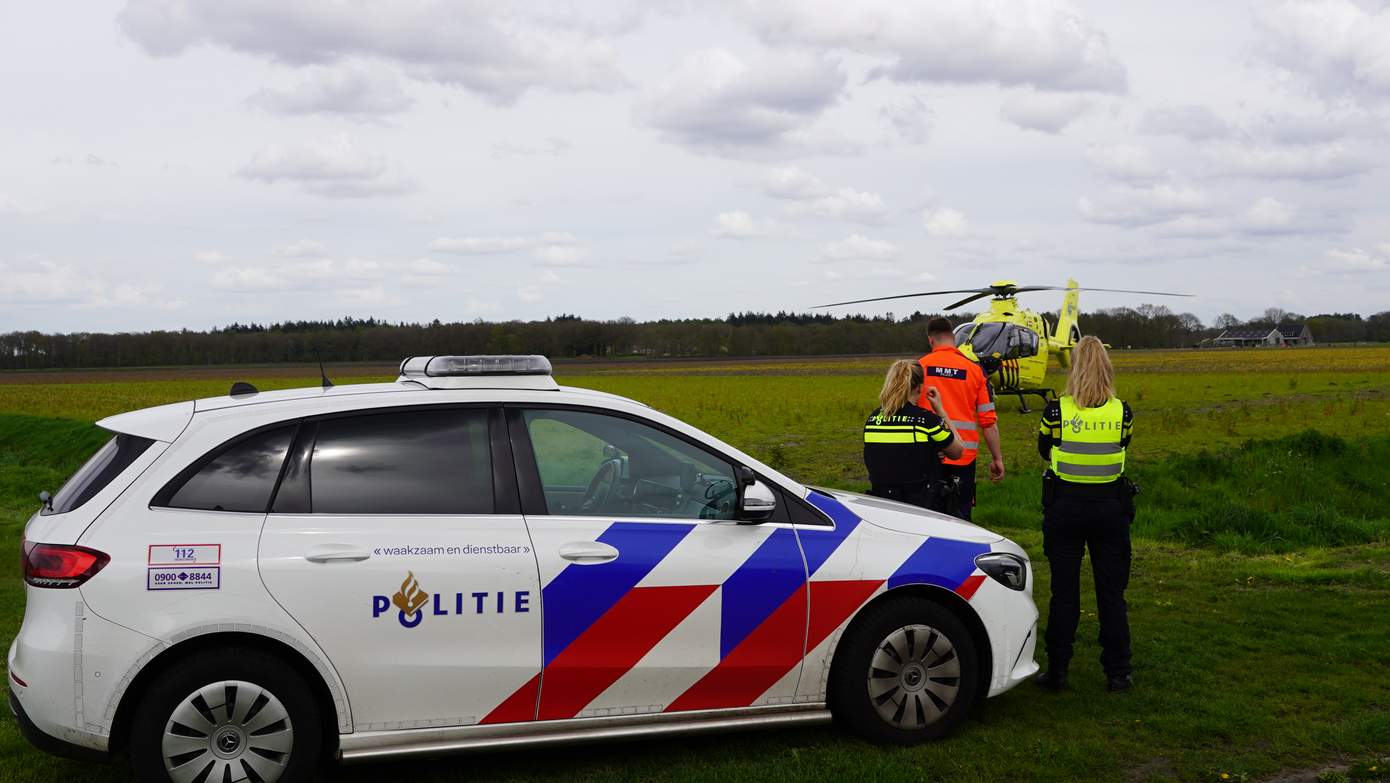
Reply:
x=906, y=672
x=226, y=709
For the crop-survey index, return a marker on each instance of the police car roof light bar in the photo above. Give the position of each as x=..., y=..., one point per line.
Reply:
x=474, y=366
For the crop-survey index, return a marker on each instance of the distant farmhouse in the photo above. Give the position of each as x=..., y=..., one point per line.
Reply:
x=1282, y=335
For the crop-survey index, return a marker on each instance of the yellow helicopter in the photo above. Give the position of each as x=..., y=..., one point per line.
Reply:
x=1011, y=343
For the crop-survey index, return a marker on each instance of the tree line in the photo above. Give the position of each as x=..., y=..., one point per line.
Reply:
x=569, y=336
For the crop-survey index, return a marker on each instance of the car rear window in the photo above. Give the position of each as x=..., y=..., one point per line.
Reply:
x=238, y=476
x=109, y=462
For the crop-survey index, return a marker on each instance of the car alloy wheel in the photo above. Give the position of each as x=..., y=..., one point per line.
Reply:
x=914, y=677
x=229, y=730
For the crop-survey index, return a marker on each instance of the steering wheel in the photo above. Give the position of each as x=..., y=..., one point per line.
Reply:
x=601, y=486
x=717, y=493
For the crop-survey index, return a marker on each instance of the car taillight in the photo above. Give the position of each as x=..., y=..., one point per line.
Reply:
x=55, y=565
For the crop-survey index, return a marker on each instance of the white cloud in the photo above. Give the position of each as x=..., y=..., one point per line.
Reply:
x=911, y=117
x=1269, y=215
x=737, y=225
x=1305, y=162
x=529, y=295
x=1195, y=123
x=1338, y=45
x=790, y=182
x=1044, y=112
x=858, y=247
x=496, y=49
x=351, y=91
x=472, y=246
x=551, y=248
x=361, y=280
x=47, y=283
x=550, y=146
x=845, y=204
x=945, y=222
x=427, y=266
x=1354, y=261
x=715, y=102
x=1190, y=214
x=1320, y=128
x=561, y=254
x=11, y=206
x=1127, y=162
x=1144, y=206
x=811, y=197
x=1040, y=43
x=209, y=257
x=334, y=166
x=304, y=248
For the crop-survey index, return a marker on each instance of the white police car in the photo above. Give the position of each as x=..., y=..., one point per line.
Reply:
x=474, y=557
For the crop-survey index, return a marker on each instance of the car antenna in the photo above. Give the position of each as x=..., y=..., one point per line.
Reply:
x=323, y=376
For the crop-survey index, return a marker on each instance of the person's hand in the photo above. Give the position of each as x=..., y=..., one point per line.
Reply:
x=934, y=397
x=996, y=469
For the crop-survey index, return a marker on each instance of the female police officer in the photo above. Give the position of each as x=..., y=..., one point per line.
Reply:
x=903, y=443
x=1087, y=503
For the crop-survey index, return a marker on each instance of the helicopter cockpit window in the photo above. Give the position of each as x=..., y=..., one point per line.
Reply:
x=989, y=339
x=963, y=333
x=1008, y=341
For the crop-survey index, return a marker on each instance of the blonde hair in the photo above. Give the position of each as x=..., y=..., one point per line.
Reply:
x=1091, y=382
x=903, y=377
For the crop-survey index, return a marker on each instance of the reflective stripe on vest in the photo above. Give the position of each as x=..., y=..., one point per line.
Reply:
x=1090, y=451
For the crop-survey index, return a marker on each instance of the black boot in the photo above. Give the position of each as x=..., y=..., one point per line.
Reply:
x=1052, y=680
x=1119, y=683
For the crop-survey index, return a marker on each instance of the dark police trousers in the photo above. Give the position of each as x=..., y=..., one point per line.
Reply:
x=966, y=474
x=1077, y=519
x=919, y=494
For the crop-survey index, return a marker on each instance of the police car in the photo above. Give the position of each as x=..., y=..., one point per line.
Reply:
x=474, y=557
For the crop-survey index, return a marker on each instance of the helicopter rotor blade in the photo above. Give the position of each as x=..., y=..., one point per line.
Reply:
x=903, y=296
x=1004, y=291
x=967, y=300
x=1025, y=288
x=1127, y=291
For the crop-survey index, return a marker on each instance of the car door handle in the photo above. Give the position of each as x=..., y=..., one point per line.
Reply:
x=588, y=552
x=331, y=553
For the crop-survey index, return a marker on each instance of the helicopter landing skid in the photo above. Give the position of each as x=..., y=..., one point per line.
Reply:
x=1047, y=395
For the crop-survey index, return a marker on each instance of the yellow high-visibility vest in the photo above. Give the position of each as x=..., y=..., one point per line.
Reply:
x=1090, y=451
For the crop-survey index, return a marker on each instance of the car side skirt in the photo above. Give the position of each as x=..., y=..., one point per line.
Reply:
x=364, y=746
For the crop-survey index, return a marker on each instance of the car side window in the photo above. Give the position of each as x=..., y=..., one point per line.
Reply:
x=424, y=461
x=592, y=464
x=239, y=476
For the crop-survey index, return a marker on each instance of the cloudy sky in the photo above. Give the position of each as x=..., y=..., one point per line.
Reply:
x=171, y=163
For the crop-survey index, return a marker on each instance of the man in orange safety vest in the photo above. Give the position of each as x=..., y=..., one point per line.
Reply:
x=969, y=404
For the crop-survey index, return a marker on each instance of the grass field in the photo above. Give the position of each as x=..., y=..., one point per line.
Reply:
x=1260, y=602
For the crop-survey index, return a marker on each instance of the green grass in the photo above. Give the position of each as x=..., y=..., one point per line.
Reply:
x=1260, y=601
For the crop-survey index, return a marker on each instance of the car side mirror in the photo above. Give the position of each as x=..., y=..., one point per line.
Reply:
x=757, y=503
